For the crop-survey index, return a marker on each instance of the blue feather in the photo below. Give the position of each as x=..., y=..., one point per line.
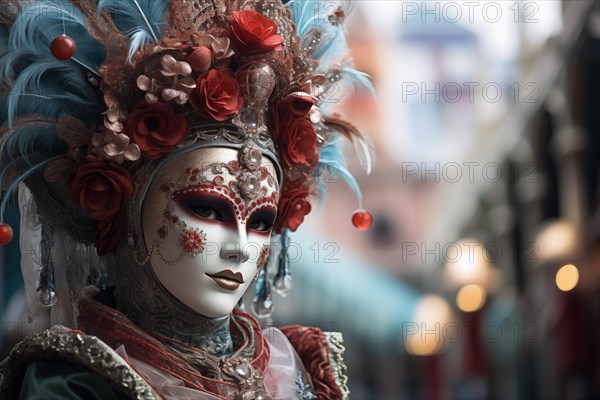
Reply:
x=316, y=20
x=297, y=9
x=138, y=39
x=41, y=22
x=333, y=163
x=68, y=90
x=335, y=169
x=141, y=20
x=308, y=13
x=13, y=61
x=331, y=47
x=28, y=64
x=34, y=143
x=33, y=140
x=331, y=152
x=358, y=79
x=313, y=14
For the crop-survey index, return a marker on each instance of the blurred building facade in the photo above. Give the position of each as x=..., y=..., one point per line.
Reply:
x=513, y=184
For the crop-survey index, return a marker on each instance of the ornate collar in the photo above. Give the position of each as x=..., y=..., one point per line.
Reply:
x=231, y=377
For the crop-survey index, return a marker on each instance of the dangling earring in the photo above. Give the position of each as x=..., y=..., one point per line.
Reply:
x=46, y=287
x=45, y=292
x=283, y=281
x=262, y=304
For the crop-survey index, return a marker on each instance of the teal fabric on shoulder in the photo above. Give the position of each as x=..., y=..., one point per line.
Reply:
x=62, y=380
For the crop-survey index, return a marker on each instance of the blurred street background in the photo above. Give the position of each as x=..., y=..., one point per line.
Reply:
x=480, y=276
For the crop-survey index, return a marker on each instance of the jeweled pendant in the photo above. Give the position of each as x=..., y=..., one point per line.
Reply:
x=263, y=307
x=6, y=234
x=362, y=219
x=45, y=293
x=262, y=304
x=46, y=297
x=283, y=282
x=63, y=47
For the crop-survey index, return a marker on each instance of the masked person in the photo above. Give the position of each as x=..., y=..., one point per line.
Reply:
x=155, y=147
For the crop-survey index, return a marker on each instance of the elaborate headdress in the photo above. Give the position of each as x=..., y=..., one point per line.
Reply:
x=97, y=94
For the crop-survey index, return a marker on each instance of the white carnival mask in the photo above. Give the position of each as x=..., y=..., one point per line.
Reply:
x=207, y=219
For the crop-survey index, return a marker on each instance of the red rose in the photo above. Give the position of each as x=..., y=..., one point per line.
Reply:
x=293, y=205
x=294, y=132
x=298, y=143
x=295, y=105
x=100, y=188
x=253, y=32
x=155, y=128
x=110, y=232
x=217, y=95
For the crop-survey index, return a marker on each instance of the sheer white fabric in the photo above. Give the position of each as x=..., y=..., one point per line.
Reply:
x=30, y=240
x=285, y=366
x=73, y=264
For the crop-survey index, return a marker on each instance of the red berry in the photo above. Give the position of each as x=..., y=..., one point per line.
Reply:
x=362, y=220
x=6, y=234
x=63, y=47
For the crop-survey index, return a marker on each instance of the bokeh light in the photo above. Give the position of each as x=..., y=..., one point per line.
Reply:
x=557, y=241
x=567, y=277
x=471, y=298
x=432, y=313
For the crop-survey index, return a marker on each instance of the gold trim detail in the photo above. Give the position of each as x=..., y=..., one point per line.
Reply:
x=75, y=347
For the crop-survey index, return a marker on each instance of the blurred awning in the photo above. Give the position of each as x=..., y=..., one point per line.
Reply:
x=338, y=290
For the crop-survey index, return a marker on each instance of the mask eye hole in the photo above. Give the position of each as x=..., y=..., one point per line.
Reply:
x=262, y=220
x=260, y=225
x=206, y=206
x=206, y=212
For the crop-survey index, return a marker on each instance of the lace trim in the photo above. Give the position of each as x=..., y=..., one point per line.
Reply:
x=303, y=389
x=336, y=358
x=76, y=347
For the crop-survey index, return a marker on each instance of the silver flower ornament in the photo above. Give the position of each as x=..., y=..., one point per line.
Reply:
x=177, y=86
x=114, y=147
